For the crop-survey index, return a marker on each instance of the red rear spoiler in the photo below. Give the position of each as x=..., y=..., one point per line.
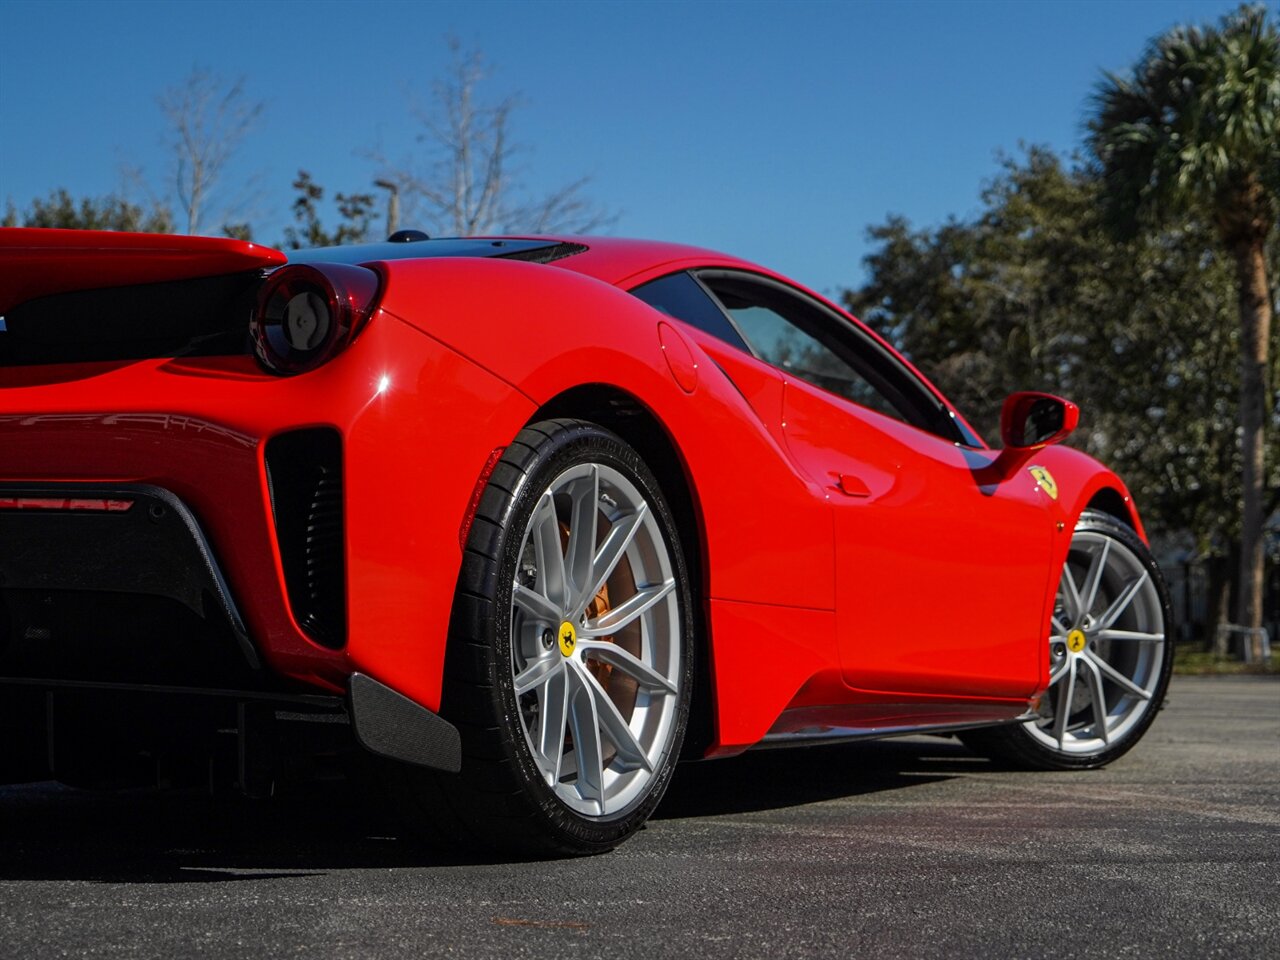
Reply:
x=36, y=262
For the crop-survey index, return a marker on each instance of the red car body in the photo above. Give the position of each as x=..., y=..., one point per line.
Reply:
x=853, y=572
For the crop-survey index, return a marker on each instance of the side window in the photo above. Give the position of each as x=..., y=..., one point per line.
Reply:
x=679, y=295
x=802, y=337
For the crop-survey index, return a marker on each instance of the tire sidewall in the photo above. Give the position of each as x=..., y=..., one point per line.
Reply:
x=1093, y=521
x=580, y=443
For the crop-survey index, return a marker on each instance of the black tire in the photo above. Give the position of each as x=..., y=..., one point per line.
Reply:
x=1031, y=744
x=501, y=801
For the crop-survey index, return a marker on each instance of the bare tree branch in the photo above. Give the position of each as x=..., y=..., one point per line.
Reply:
x=466, y=186
x=208, y=121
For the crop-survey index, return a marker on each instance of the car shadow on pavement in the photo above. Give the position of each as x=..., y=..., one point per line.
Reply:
x=775, y=779
x=50, y=832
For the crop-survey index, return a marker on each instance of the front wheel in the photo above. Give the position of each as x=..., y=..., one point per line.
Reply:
x=1110, y=655
x=571, y=652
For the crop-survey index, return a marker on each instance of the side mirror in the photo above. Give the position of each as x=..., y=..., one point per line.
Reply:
x=1029, y=421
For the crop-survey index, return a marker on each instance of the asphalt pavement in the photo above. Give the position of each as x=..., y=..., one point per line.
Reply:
x=904, y=848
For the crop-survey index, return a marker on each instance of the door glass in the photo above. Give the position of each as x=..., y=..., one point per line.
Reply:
x=779, y=342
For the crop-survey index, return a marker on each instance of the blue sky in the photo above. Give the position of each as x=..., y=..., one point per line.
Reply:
x=774, y=131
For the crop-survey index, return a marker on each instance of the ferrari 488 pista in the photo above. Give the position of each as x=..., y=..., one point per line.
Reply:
x=524, y=520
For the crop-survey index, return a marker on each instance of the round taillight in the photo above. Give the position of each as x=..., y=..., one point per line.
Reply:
x=307, y=314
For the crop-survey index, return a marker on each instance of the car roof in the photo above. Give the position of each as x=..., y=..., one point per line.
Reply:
x=610, y=259
x=614, y=259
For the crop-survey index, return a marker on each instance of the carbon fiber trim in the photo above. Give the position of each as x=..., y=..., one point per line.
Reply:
x=391, y=725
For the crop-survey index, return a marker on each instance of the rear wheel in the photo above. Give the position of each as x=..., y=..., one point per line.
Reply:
x=571, y=657
x=1110, y=655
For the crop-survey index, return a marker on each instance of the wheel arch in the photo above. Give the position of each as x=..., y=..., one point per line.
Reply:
x=1088, y=484
x=631, y=419
x=1111, y=501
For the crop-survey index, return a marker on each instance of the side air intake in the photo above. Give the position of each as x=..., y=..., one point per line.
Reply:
x=304, y=474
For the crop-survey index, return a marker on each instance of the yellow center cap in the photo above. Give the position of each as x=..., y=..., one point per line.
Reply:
x=1075, y=640
x=568, y=638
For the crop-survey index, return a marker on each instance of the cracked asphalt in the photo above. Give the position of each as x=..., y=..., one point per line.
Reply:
x=906, y=848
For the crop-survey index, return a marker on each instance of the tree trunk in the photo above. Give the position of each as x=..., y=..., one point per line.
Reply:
x=1218, y=608
x=1255, y=335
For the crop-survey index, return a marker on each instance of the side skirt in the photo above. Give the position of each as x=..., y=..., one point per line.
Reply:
x=824, y=725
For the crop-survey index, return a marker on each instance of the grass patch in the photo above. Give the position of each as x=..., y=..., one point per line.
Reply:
x=1207, y=663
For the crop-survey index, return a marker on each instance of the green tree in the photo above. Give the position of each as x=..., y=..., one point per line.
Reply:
x=1194, y=129
x=62, y=210
x=355, y=210
x=1038, y=292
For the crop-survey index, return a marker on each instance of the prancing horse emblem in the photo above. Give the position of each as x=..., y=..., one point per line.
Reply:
x=1046, y=481
x=568, y=638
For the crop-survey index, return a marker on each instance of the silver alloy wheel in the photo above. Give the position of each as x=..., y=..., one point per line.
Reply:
x=1106, y=649
x=596, y=641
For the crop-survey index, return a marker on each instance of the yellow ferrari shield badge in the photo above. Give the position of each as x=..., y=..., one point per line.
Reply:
x=1045, y=479
x=568, y=638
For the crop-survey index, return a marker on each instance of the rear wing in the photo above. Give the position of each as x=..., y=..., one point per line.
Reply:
x=38, y=262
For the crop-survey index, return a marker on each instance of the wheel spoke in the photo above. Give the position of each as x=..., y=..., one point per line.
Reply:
x=1070, y=595
x=1121, y=602
x=1129, y=635
x=554, y=707
x=1099, y=703
x=1064, y=704
x=586, y=742
x=1094, y=578
x=594, y=547
x=1116, y=676
x=646, y=598
x=614, y=655
x=536, y=605
x=582, y=536
x=537, y=673
x=620, y=536
x=615, y=727
x=548, y=552
x=1108, y=580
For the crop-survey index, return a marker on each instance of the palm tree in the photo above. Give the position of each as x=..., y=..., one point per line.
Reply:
x=1195, y=129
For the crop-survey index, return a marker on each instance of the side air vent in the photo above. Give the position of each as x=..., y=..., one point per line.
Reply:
x=304, y=474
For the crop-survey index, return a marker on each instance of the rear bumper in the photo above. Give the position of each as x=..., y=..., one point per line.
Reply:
x=114, y=583
x=416, y=424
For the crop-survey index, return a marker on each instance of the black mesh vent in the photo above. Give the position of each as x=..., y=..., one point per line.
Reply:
x=544, y=254
x=204, y=317
x=304, y=471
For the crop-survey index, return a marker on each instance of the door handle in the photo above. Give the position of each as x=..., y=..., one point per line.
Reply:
x=851, y=486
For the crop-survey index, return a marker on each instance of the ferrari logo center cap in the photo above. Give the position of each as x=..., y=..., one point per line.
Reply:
x=1075, y=640
x=568, y=638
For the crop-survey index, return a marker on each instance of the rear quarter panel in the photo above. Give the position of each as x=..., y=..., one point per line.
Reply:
x=545, y=331
x=765, y=530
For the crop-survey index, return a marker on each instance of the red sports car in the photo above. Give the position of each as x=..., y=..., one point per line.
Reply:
x=528, y=519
